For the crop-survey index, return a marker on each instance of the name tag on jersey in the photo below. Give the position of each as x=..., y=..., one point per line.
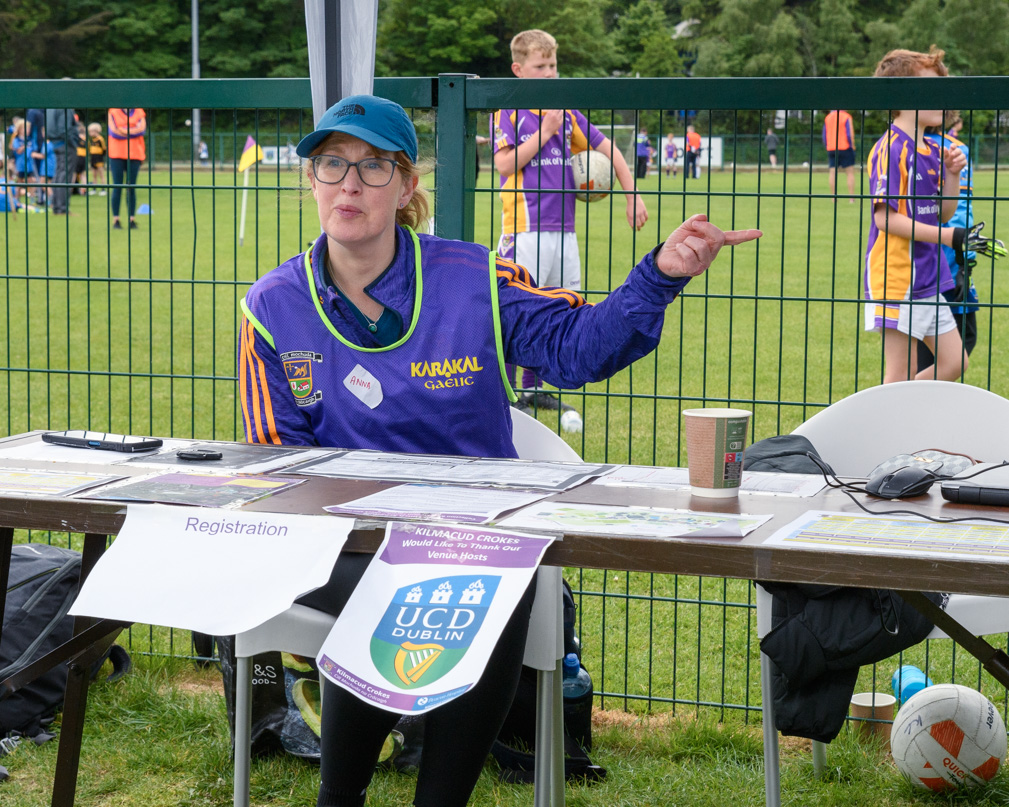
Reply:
x=364, y=386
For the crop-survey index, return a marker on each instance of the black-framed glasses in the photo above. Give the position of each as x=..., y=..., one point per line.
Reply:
x=374, y=171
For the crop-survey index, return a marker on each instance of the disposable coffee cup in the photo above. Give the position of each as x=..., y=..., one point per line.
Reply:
x=873, y=713
x=716, y=440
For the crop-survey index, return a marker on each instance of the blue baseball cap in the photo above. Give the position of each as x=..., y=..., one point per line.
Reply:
x=377, y=121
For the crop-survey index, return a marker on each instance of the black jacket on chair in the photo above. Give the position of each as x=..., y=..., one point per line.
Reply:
x=821, y=635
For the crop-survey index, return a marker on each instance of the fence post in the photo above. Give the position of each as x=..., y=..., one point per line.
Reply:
x=455, y=155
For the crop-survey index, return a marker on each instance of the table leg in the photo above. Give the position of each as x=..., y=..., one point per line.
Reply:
x=544, y=652
x=6, y=547
x=548, y=780
x=772, y=783
x=243, y=729
x=557, y=752
x=75, y=698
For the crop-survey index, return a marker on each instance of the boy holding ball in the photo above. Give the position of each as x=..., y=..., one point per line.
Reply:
x=532, y=152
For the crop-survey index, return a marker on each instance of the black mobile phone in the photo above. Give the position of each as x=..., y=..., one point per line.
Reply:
x=103, y=441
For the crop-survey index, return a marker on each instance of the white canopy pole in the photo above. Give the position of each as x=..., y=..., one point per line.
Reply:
x=341, y=49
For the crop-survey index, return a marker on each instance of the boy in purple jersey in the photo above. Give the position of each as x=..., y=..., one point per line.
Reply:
x=532, y=153
x=915, y=187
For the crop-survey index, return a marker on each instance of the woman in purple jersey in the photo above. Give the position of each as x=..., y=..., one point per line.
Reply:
x=337, y=346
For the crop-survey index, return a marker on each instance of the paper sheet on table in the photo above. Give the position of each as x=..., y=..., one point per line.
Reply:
x=245, y=458
x=894, y=535
x=422, y=623
x=215, y=571
x=35, y=482
x=538, y=474
x=441, y=502
x=659, y=522
x=47, y=452
x=780, y=484
x=196, y=489
x=555, y=476
x=380, y=465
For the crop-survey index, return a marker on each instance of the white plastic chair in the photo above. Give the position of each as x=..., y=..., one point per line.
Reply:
x=302, y=630
x=857, y=433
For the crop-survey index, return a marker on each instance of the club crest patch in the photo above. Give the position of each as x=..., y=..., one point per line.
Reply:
x=429, y=626
x=298, y=368
x=299, y=375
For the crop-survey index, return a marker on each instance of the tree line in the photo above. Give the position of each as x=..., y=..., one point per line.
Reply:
x=151, y=38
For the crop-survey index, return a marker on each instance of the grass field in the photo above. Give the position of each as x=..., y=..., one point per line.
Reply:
x=159, y=738
x=135, y=331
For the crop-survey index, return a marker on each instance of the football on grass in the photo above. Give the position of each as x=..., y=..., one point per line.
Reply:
x=593, y=172
x=948, y=736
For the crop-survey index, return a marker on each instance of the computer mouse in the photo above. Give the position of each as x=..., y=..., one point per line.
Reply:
x=914, y=480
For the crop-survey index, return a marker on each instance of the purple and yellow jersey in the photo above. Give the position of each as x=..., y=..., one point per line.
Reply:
x=527, y=201
x=906, y=180
x=670, y=150
x=439, y=389
x=305, y=362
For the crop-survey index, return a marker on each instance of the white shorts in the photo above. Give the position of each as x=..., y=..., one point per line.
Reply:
x=551, y=257
x=929, y=316
x=668, y=162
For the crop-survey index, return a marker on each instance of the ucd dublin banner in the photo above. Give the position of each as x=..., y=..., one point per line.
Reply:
x=421, y=624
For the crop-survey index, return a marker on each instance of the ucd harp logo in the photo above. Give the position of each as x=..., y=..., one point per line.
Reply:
x=429, y=626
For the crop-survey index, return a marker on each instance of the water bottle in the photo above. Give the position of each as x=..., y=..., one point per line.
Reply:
x=908, y=681
x=576, y=685
x=577, y=682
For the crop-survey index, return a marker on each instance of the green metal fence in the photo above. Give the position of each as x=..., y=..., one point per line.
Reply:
x=133, y=330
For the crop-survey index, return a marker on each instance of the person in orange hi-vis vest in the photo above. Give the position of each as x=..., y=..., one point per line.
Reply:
x=126, y=152
x=839, y=140
x=692, y=150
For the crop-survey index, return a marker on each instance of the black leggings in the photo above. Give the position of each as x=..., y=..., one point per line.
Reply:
x=119, y=166
x=457, y=736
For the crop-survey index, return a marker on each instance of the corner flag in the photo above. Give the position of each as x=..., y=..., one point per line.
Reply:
x=251, y=155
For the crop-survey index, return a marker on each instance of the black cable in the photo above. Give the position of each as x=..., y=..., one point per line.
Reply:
x=848, y=487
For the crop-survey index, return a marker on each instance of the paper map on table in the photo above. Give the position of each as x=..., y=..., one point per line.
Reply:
x=24, y=482
x=531, y=475
x=894, y=535
x=202, y=490
x=49, y=452
x=644, y=521
x=442, y=502
x=644, y=476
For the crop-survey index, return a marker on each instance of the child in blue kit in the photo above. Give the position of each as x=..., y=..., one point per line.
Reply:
x=963, y=298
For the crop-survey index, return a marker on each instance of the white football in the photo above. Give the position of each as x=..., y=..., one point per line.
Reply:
x=948, y=736
x=593, y=175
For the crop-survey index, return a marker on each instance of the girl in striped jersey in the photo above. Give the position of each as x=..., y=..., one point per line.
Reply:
x=915, y=186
